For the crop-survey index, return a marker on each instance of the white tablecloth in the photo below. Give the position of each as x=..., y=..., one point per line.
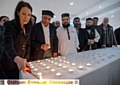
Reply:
x=104, y=70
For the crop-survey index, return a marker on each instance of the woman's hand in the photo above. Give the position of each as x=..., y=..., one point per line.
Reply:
x=22, y=64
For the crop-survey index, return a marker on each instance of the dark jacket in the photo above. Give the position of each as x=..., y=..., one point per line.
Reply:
x=37, y=39
x=112, y=39
x=15, y=43
x=91, y=36
x=102, y=36
x=83, y=39
x=1, y=37
x=117, y=35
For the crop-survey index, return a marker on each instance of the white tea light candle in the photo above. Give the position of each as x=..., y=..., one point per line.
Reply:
x=58, y=74
x=70, y=70
x=88, y=64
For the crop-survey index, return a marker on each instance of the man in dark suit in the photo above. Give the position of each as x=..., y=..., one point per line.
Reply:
x=117, y=35
x=101, y=43
x=44, y=42
x=82, y=34
x=108, y=32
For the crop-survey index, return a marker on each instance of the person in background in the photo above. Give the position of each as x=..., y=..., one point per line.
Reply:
x=101, y=43
x=82, y=34
x=16, y=45
x=109, y=34
x=44, y=41
x=67, y=37
x=117, y=35
x=3, y=19
x=53, y=23
x=93, y=35
x=33, y=19
x=57, y=24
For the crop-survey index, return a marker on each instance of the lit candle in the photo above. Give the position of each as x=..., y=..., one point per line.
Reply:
x=52, y=70
x=41, y=63
x=35, y=69
x=37, y=61
x=44, y=64
x=47, y=67
x=88, y=64
x=73, y=64
x=58, y=74
x=55, y=63
x=55, y=58
x=64, y=66
x=67, y=62
x=52, y=61
x=29, y=62
x=60, y=65
x=32, y=66
x=51, y=58
x=70, y=70
x=46, y=59
x=60, y=60
x=64, y=57
x=80, y=67
x=64, y=61
x=40, y=75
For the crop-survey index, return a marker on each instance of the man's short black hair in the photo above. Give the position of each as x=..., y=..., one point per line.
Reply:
x=96, y=18
x=76, y=18
x=3, y=17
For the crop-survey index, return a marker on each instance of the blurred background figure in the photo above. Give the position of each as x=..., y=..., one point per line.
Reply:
x=82, y=34
x=33, y=19
x=93, y=35
x=101, y=42
x=57, y=24
x=117, y=35
x=109, y=34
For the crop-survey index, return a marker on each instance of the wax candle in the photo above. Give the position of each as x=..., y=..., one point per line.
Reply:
x=67, y=62
x=64, y=66
x=58, y=74
x=80, y=67
x=52, y=70
x=35, y=69
x=70, y=70
x=55, y=63
x=52, y=61
x=44, y=64
x=73, y=64
x=60, y=60
x=47, y=67
x=88, y=64
x=37, y=61
x=40, y=75
x=59, y=64
x=64, y=61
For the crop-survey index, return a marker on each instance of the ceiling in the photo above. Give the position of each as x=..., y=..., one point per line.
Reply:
x=79, y=8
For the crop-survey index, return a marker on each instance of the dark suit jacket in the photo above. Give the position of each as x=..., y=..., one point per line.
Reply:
x=117, y=35
x=37, y=39
x=111, y=35
x=83, y=39
x=15, y=43
x=102, y=39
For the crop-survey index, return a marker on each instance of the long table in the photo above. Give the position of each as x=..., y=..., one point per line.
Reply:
x=104, y=69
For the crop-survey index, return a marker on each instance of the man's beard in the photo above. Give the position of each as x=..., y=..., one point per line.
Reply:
x=88, y=27
x=77, y=25
x=66, y=26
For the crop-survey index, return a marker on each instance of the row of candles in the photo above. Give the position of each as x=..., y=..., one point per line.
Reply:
x=61, y=59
